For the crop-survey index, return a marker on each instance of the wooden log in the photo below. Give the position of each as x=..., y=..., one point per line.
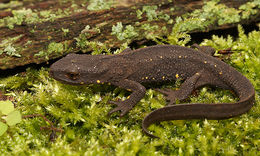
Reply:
x=58, y=26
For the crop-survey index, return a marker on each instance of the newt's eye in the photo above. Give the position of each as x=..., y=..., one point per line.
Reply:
x=73, y=75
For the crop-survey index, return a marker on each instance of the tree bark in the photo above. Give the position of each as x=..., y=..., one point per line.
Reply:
x=32, y=38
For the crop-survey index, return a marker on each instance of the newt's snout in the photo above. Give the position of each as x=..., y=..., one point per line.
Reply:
x=52, y=70
x=51, y=73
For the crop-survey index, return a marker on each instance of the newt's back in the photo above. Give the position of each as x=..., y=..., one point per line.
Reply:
x=166, y=62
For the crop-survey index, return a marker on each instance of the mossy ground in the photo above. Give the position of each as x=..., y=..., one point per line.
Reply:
x=81, y=112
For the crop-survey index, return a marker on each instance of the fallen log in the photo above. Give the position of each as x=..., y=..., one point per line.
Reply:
x=37, y=32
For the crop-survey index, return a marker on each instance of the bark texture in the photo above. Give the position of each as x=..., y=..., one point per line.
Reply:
x=31, y=38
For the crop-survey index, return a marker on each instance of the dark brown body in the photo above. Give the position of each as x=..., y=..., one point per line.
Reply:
x=130, y=69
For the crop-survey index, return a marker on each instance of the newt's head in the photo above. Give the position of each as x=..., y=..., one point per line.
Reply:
x=79, y=69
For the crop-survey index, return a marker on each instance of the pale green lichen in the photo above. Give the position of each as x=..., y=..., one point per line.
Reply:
x=52, y=48
x=46, y=14
x=152, y=13
x=6, y=46
x=55, y=47
x=81, y=42
x=100, y=4
x=124, y=33
x=88, y=31
x=149, y=29
x=84, y=44
x=96, y=47
x=11, y=4
x=50, y=15
x=77, y=8
x=19, y=16
x=139, y=14
x=65, y=31
x=10, y=50
x=250, y=8
x=213, y=12
x=29, y=16
x=224, y=14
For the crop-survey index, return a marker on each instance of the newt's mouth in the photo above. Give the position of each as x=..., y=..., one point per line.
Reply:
x=60, y=76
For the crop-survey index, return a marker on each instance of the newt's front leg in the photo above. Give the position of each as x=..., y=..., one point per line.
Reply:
x=138, y=92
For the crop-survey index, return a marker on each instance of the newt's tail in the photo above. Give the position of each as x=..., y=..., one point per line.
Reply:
x=202, y=111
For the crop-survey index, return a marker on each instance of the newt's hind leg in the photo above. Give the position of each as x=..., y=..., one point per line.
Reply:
x=199, y=79
x=185, y=90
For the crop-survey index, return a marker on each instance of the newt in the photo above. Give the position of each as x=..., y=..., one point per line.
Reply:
x=133, y=68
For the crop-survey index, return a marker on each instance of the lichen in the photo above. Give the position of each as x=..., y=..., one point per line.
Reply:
x=19, y=16
x=85, y=45
x=30, y=16
x=53, y=48
x=11, y=51
x=152, y=13
x=99, y=4
x=213, y=12
x=88, y=31
x=65, y=31
x=11, y=4
x=124, y=33
x=250, y=8
x=7, y=46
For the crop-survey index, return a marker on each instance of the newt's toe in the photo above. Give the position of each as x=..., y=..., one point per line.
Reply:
x=121, y=106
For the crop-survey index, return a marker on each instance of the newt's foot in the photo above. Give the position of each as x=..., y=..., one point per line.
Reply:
x=171, y=95
x=122, y=106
